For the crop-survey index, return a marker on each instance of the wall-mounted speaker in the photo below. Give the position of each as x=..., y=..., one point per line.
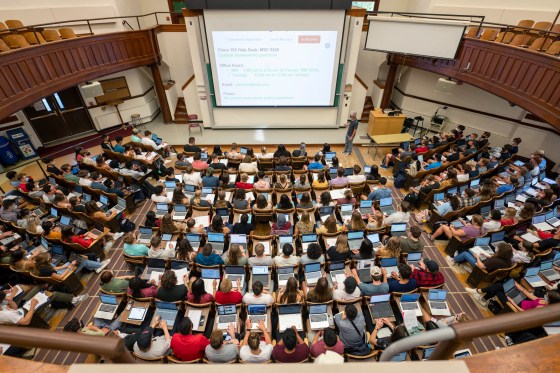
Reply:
x=445, y=86
x=92, y=89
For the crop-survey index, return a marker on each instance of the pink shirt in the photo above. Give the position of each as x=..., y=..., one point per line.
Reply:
x=319, y=348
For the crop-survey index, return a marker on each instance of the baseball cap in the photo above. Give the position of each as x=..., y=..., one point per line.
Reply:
x=540, y=152
x=431, y=265
x=375, y=271
x=350, y=285
x=145, y=338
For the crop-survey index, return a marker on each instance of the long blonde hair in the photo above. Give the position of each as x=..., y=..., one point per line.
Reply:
x=197, y=198
x=356, y=221
x=32, y=224
x=342, y=244
x=234, y=254
x=393, y=248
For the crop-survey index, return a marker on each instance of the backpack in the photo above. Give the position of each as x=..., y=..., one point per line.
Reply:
x=411, y=198
x=400, y=180
x=127, y=226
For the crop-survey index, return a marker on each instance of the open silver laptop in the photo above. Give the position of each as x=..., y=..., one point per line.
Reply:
x=289, y=315
x=107, y=308
x=255, y=313
x=318, y=316
x=227, y=314
x=437, y=300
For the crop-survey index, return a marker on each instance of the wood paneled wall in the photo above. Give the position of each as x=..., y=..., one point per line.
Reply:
x=29, y=74
x=525, y=78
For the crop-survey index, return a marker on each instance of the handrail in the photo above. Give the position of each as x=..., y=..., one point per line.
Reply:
x=452, y=337
x=112, y=349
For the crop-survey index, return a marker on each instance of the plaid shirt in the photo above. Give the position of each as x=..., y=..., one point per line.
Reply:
x=466, y=201
x=425, y=278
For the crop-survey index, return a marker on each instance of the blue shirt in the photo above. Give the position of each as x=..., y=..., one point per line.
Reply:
x=353, y=126
x=135, y=138
x=504, y=188
x=444, y=208
x=433, y=165
x=135, y=249
x=210, y=181
x=315, y=166
x=380, y=193
x=542, y=165
x=118, y=149
x=212, y=260
x=395, y=285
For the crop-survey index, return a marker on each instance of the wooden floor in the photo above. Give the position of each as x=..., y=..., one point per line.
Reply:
x=459, y=299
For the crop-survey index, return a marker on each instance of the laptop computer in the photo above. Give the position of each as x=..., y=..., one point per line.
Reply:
x=398, y=229
x=107, y=308
x=227, y=314
x=103, y=202
x=65, y=220
x=208, y=275
x=179, y=212
x=355, y=239
x=439, y=198
x=386, y=205
x=380, y=306
x=409, y=302
x=189, y=190
x=170, y=186
x=400, y=356
x=52, y=215
x=337, y=272
x=325, y=212
x=452, y=191
x=260, y=273
x=318, y=316
x=539, y=222
x=482, y=246
x=155, y=268
x=217, y=242
x=57, y=254
x=437, y=301
x=485, y=211
x=551, y=217
x=533, y=278
x=365, y=207
x=390, y=265
x=237, y=240
x=555, y=261
x=284, y=273
x=475, y=184
x=329, y=156
x=86, y=197
x=145, y=235
x=363, y=268
x=414, y=258
x=255, y=313
x=511, y=291
x=374, y=239
x=346, y=211
x=161, y=209
x=289, y=315
x=312, y=273
x=194, y=240
x=306, y=240
x=235, y=273
x=120, y=206
x=168, y=312
x=548, y=272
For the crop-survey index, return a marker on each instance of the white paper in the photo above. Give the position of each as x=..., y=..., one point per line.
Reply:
x=202, y=220
x=521, y=198
x=337, y=193
x=530, y=237
x=180, y=273
x=340, y=279
x=171, y=245
x=137, y=313
x=155, y=276
x=544, y=226
x=195, y=316
x=410, y=320
x=266, y=245
x=41, y=297
x=384, y=332
x=17, y=289
x=331, y=241
x=210, y=198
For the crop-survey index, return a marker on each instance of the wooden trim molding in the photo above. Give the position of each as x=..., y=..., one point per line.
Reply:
x=127, y=99
x=191, y=12
x=500, y=117
x=528, y=79
x=361, y=81
x=356, y=12
x=171, y=28
x=379, y=83
x=187, y=82
x=29, y=74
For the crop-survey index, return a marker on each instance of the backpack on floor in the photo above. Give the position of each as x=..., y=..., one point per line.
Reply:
x=127, y=226
x=400, y=180
x=411, y=198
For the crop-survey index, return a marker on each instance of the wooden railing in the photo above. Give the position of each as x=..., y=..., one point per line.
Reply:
x=528, y=79
x=29, y=74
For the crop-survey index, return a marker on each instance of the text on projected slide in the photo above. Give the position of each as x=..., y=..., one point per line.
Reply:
x=275, y=68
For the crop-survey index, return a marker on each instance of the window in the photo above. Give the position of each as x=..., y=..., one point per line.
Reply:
x=369, y=6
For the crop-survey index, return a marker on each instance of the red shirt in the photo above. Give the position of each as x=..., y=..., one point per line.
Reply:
x=421, y=149
x=425, y=278
x=507, y=221
x=189, y=347
x=243, y=185
x=22, y=187
x=200, y=165
x=231, y=297
x=79, y=239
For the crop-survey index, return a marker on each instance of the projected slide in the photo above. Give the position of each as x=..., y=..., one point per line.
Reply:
x=275, y=68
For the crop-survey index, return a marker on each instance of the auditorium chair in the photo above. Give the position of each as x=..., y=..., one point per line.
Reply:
x=67, y=33
x=472, y=32
x=540, y=44
x=14, y=23
x=32, y=37
x=149, y=360
x=527, y=23
x=15, y=41
x=520, y=40
x=3, y=46
x=371, y=357
x=173, y=360
x=489, y=34
x=51, y=35
x=541, y=26
x=554, y=48
x=480, y=278
x=340, y=305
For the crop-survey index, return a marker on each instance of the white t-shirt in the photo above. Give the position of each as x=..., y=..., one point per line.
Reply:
x=356, y=178
x=150, y=142
x=162, y=254
x=462, y=177
x=250, y=298
x=159, y=348
x=248, y=167
x=340, y=294
x=160, y=199
x=86, y=182
x=246, y=355
x=492, y=225
x=9, y=316
x=192, y=179
x=397, y=217
x=280, y=261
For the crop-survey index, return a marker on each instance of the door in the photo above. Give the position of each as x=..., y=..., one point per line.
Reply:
x=60, y=117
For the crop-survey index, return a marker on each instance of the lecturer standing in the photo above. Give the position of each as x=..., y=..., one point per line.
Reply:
x=352, y=126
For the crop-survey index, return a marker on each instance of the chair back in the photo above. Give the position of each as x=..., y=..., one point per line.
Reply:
x=34, y=38
x=3, y=46
x=489, y=34
x=67, y=33
x=51, y=35
x=173, y=360
x=16, y=41
x=14, y=23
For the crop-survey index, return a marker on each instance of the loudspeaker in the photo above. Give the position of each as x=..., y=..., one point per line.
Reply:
x=92, y=89
x=445, y=86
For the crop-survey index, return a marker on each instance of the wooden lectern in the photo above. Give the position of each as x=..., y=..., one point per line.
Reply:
x=383, y=124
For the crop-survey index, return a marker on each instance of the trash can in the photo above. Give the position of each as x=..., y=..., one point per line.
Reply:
x=22, y=143
x=7, y=155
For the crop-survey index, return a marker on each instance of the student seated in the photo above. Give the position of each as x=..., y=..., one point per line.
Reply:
x=290, y=293
x=208, y=257
x=139, y=288
x=392, y=249
x=428, y=275
x=401, y=282
x=258, y=296
x=169, y=290
x=468, y=231
x=187, y=346
x=314, y=254
x=226, y=294
x=220, y=351
x=329, y=342
x=287, y=258
x=291, y=348
x=411, y=242
x=260, y=259
x=501, y=259
x=365, y=251
x=378, y=285
x=253, y=350
x=347, y=291
x=352, y=330
x=320, y=293
x=381, y=192
x=112, y=284
x=398, y=333
x=148, y=346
